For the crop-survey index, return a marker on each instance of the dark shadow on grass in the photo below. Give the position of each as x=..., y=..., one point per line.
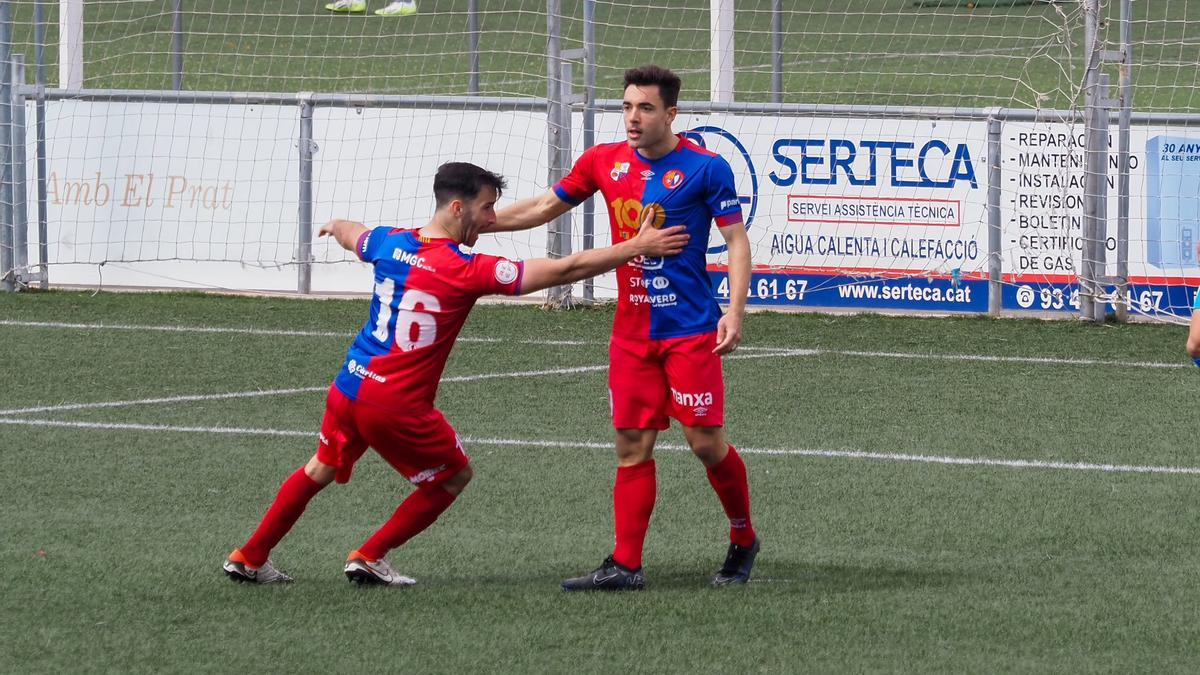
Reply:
x=774, y=577
x=800, y=577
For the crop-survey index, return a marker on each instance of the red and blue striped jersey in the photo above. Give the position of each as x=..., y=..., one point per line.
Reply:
x=424, y=290
x=668, y=297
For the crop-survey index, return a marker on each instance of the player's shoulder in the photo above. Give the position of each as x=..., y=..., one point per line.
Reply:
x=447, y=251
x=616, y=149
x=440, y=259
x=475, y=273
x=393, y=234
x=605, y=159
x=687, y=145
x=379, y=239
x=695, y=158
x=414, y=251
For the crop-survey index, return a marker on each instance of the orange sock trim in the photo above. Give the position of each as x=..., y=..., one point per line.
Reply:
x=237, y=557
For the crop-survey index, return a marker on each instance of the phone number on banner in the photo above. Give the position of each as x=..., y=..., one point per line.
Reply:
x=841, y=291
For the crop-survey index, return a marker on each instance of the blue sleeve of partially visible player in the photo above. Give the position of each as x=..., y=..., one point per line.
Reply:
x=720, y=194
x=1196, y=307
x=369, y=243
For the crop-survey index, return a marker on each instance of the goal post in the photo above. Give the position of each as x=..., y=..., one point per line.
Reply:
x=70, y=44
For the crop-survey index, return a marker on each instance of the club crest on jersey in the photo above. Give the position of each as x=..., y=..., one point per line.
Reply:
x=506, y=272
x=673, y=179
x=619, y=170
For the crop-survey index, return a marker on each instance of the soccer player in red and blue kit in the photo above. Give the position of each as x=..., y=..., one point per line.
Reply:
x=383, y=396
x=668, y=334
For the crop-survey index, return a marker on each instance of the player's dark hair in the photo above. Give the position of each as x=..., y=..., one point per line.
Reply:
x=463, y=180
x=668, y=83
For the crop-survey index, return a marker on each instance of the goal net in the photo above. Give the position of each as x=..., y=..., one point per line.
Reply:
x=858, y=134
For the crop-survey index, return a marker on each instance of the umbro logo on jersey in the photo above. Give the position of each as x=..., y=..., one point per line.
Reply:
x=619, y=170
x=647, y=174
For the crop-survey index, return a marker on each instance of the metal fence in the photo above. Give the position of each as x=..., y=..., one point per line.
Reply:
x=571, y=87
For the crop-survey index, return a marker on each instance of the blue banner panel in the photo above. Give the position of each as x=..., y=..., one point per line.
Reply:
x=866, y=293
x=1149, y=299
x=770, y=289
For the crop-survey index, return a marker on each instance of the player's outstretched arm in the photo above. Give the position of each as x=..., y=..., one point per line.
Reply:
x=346, y=232
x=650, y=241
x=729, y=328
x=529, y=213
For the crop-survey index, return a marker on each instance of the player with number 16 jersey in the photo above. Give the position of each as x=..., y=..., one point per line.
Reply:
x=424, y=291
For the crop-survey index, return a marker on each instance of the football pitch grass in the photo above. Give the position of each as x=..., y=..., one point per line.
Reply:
x=934, y=495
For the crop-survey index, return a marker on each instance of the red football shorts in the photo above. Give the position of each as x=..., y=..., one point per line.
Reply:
x=423, y=446
x=649, y=380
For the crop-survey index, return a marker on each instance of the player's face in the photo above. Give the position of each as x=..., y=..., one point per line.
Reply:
x=647, y=119
x=477, y=214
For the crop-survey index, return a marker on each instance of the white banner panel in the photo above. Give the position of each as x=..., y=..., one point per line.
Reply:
x=377, y=166
x=1043, y=193
x=141, y=187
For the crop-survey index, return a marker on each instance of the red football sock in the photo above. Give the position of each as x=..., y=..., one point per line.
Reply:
x=633, y=502
x=293, y=497
x=415, y=513
x=728, y=479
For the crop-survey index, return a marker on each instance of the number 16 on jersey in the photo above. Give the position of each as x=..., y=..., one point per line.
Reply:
x=416, y=326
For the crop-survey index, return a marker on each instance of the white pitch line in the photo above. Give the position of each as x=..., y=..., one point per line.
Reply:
x=878, y=456
x=592, y=445
x=267, y=332
x=1036, y=360
x=174, y=329
x=527, y=373
x=164, y=399
x=275, y=392
x=126, y=426
x=307, y=390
